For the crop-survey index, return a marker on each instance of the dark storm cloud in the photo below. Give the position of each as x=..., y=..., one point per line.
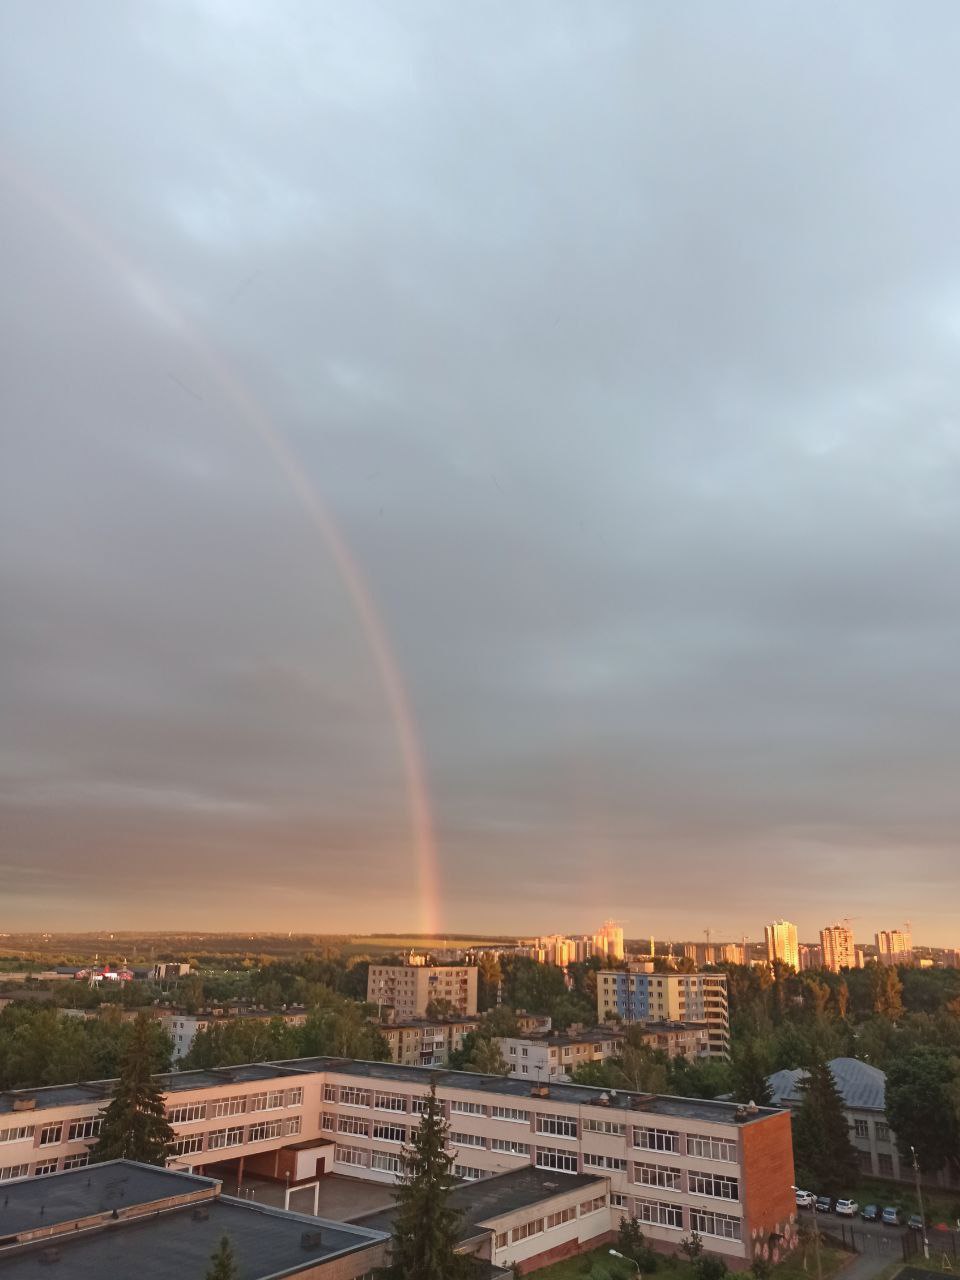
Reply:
x=620, y=341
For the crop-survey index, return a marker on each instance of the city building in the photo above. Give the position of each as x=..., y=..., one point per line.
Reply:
x=781, y=939
x=121, y=1220
x=410, y=989
x=561, y=949
x=554, y=1055
x=678, y=1164
x=704, y=953
x=170, y=970
x=678, y=1039
x=837, y=948
x=421, y=1043
x=811, y=955
x=638, y=995
x=608, y=941
x=182, y=1028
x=894, y=946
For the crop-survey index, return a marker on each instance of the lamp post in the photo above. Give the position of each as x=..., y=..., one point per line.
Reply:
x=923, y=1216
x=615, y=1254
x=816, y=1237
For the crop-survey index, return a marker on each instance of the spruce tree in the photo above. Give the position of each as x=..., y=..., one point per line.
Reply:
x=135, y=1125
x=223, y=1264
x=823, y=1153
x=425, y=1227
x=750, y=1072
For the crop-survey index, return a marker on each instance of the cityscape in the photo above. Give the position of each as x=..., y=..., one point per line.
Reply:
x=479, y=730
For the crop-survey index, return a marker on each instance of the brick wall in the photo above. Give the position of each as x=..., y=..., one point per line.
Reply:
x=770, y=1208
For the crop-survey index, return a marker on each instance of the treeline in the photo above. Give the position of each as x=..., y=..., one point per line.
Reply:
x=42, y=1046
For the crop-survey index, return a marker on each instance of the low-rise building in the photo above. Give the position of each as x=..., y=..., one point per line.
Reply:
x=421, y=1043
x=678, y=1039
x=183, y=1028
x=410, y=989
x=554, y=1055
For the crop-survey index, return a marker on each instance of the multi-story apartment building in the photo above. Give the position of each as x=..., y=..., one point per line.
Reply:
x=838, y=948
x=426, y=1044
x=637, y=995
x=679, y=1039
x=894, y=946
x=553, y=1056
x=704, y=953
x=182, y=1028
x=409, y=989
x=781, y=939
x=561, y=950
x=679, y=1165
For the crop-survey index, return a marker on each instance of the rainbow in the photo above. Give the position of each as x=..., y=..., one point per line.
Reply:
x=252, y=415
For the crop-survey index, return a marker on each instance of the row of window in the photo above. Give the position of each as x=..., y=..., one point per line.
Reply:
x=13, y=1171
x=536, y=1226
x=696, y=1144
x=699, y=1182
x=350, y=1096
x=17, y=1133
x=217, y=1139
x=272, y=1100
x=861, y=1129
x=51, y=1135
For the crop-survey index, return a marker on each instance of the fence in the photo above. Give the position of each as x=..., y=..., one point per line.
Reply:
x=895, y=1246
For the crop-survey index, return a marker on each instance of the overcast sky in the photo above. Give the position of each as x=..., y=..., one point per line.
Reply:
x=620, y=343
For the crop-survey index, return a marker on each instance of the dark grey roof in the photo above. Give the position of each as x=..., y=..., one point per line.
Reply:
x=481, y=1203
x=861, y=1086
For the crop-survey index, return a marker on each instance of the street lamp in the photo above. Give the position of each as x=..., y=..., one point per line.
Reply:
x=816, y=1237
x=615, y=1254
x=923, y=1216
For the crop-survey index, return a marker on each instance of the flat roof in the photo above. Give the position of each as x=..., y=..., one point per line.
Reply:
x=491, y=1198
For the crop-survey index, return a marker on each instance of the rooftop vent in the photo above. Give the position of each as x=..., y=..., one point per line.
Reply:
x=752, y=1108
x=604, y=1100
x=311, y=1240
x=540, y=1091
x=740, y=1114
x=24, y=1104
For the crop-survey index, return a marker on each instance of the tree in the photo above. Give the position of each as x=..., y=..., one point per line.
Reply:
x=440, y=1008
x=632, y=1243
x=823, y=1153
x=489, y=976
x=886, y=990
x=480, y=1053
x=921, y=1087
x=135, y=1125
x=223, y=1264
x=750, y=1072
x=425, y=1226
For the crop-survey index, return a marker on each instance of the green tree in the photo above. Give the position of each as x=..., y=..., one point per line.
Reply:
x=489, y=976
x=135, y=1125
x=481, y=1053
x=823, y=1153
x=223, y=1264
x=885, y=990
x=750, y=1071
x=425, y=1226
x=921, y=1088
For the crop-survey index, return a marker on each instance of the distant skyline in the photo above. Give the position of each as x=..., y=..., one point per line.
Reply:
x=479, y=465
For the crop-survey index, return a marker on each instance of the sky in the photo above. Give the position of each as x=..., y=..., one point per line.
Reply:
x=479, y=466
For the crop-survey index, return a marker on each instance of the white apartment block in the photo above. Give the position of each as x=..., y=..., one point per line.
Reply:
x=554, y=1057
x=894, y=946
x=409, y=988
x=678, y=1164
x=838, y=948
x=781, y=940
x=638, y=995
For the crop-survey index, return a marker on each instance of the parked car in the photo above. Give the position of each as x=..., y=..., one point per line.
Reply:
x=806, y=1200
x=870, y=1213
x=915, y=1222
x=891, y=1216
x=846, y=1208
x=824, y=1204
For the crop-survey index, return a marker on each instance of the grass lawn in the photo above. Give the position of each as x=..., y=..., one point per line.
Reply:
x=598, y=1263
x=940, y=1205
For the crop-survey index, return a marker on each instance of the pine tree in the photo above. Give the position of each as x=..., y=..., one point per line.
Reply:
x=223, y=1264
x=425, y=1227
x=822, y=1150
x=750, y=1071
x=135, y=1125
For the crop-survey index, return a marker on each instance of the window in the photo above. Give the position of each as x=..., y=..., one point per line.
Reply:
x=560, y=1217
x=503, y=1239
x=353, y=1124
x=50, y=1135
x=656, y=1139
x=77, y=1162
x=350, y=1097
x=592, y=1161
x=562, y=1161
x=882, y=1131
x=294, y=1097
x=15, y=1135
x=467, y=1140
x=187, y=1146
x=389, y=1102
x=469, y=1173
x=885, y=1163
x=218, y=1138
x=188, y=1112
x=706, y=1148
x=660, y=1214
x=351, y=1155
x=617, y=1200
x=418, y=1105
x=467, y=1108
x=389, y=1132
x=657, y=1175
x=328, y=1121
x=508, y=1147
x=713, y=1184
x=604, y=1126
x=557, y=1126
x=81, y=1129
x=386, y=1161
x=526, y=1230
x=329, y=1093
x=510, y=1113
x=715, y=1224
x=227, y=1107
x=14, y=1171
x=50, y=1166
x=591, y=1206
x=861, y=1129
x=294, y=1124
x=265, y=1129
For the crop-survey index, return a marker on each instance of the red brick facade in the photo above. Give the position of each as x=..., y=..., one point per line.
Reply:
x=769, y=1209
